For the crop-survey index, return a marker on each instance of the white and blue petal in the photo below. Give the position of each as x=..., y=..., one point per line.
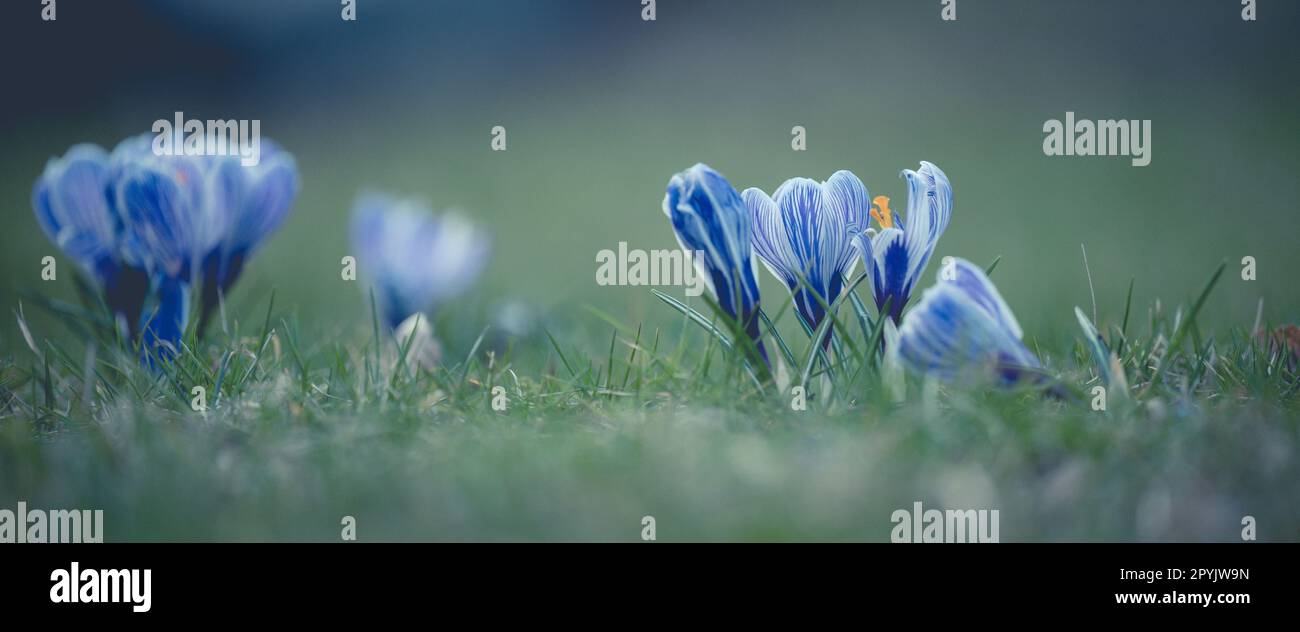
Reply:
x=961, y=328
x=929, y=207
x=709, y=217
x=257, y=198
x=415, y=260
x=805, y=232
x=72, y=206
x=888, y=271
x=808, y=227
x=245, y=205
x=770, y=239
x=976, y=285
x=159, y=201
x=850, y=201
x=900, y=252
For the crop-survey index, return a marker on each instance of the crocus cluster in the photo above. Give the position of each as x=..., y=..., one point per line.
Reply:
x=810, y=236
x=157, y=231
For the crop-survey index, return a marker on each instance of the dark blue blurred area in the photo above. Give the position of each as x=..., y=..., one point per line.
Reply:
x=108, y=52
x=228, y=54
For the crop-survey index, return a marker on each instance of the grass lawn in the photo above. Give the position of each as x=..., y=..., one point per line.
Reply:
x=305, y=425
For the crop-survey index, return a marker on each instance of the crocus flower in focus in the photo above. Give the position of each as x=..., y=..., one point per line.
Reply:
x=803, y=235
x=895, y=256
x=710, y=218
x=962, y=327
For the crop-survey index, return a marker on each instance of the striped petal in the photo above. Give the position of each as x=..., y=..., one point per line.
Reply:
x=771, y=242
x=709, y=216
x=929, y=207
x=963, y=328
x=902, y=251
x=850, y=202
x=258, y=197
x=889, y=280
x=245, y=205
x=160, y=201
x=976, y=285
x=805, y=231
x=72, y=206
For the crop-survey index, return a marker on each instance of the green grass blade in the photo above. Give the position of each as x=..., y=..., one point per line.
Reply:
x=1176, y=340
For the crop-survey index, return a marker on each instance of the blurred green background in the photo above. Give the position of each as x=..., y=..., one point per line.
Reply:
x=601, y=108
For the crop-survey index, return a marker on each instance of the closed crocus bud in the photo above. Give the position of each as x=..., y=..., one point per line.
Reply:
x=710, y=219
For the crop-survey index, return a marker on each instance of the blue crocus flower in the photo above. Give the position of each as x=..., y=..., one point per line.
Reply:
x=710, y=219
x=73, y=206
x=895, y=256
x=148, y=227
x=248, y=203
x=414, y=259
x=73, y=209
x=803, y=234
x=161, y=203
x=962, y=327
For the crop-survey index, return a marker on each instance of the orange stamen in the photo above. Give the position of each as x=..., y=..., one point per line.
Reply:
x=880, y=211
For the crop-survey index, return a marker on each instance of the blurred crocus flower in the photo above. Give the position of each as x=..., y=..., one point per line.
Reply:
x=149, y=227
x=895, y=256
x=514, y=317
x=415, y=260
x=73, y=206
x=962, y=327
x=803, y=235
x=248, y=204
x=710, y=218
